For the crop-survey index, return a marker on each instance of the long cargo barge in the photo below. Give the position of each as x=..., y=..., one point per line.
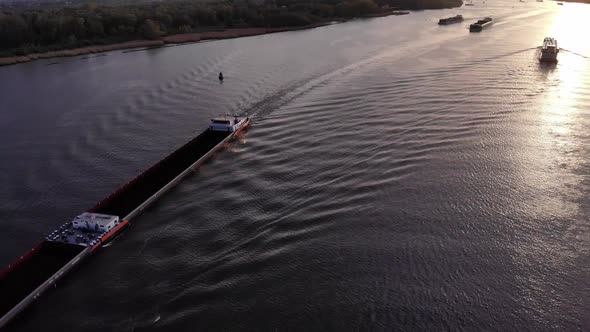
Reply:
x=481, y=24
x=450, y=20
x=23, y=281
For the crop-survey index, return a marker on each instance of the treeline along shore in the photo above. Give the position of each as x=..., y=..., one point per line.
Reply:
x=42, y=33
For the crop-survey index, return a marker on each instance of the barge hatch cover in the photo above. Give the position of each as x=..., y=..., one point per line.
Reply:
x=128, y=197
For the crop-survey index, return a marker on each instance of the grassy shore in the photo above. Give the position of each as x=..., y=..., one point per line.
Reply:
x=172, y=39
x=5, y=61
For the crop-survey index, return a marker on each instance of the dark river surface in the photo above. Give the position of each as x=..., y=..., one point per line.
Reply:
x=398, y=175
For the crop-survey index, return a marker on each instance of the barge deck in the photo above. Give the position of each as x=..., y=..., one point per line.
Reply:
x=127, y=198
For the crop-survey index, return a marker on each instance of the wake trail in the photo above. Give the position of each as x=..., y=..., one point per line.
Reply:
x=578, y=54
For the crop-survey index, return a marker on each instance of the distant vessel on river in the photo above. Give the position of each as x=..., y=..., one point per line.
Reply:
x=549, y=50
x=481, y=24
x=451, y=20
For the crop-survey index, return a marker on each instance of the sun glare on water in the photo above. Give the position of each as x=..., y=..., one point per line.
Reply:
x=561, y=103
x=568, y=25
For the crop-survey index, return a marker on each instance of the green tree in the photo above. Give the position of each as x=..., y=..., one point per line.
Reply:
x=72, y=40
x=49, y=28
x=204, y=16
x=13, y=30
x=181, y=19
x=94, y=27
x=79, y=27
x=150, y=30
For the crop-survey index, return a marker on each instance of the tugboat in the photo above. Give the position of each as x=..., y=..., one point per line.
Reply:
x=229, y=123
x=549, y=50
x=450, y=20
x=481, y=24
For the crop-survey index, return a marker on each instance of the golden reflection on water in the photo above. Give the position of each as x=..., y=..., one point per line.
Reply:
x=560, y=105
x=556, y=146
x=555, y=152
x=568, y=26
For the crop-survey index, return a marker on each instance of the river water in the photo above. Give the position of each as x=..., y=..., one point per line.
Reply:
x=397, y=175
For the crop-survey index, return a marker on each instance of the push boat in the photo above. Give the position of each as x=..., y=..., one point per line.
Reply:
x=450, y=20
x=549, y=50
x=23, y=281
x=481, y=24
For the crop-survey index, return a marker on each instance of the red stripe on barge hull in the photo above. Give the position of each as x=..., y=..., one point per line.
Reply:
x=246, y=125
x=112, y=233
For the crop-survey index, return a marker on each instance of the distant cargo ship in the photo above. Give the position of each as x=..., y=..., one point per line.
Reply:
x=549, y=50
x=481, y=24
x=450, y=20
x=23, y=281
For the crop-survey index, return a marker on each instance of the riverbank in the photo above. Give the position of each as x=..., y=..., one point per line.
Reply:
x=232, y=33
x=172, y=39
x=6, y=61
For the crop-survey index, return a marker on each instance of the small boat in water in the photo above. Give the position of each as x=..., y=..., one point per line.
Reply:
x=481, y=24
x=450, y=20
x=468, y=3
x=560, y=3
x=549, y=50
